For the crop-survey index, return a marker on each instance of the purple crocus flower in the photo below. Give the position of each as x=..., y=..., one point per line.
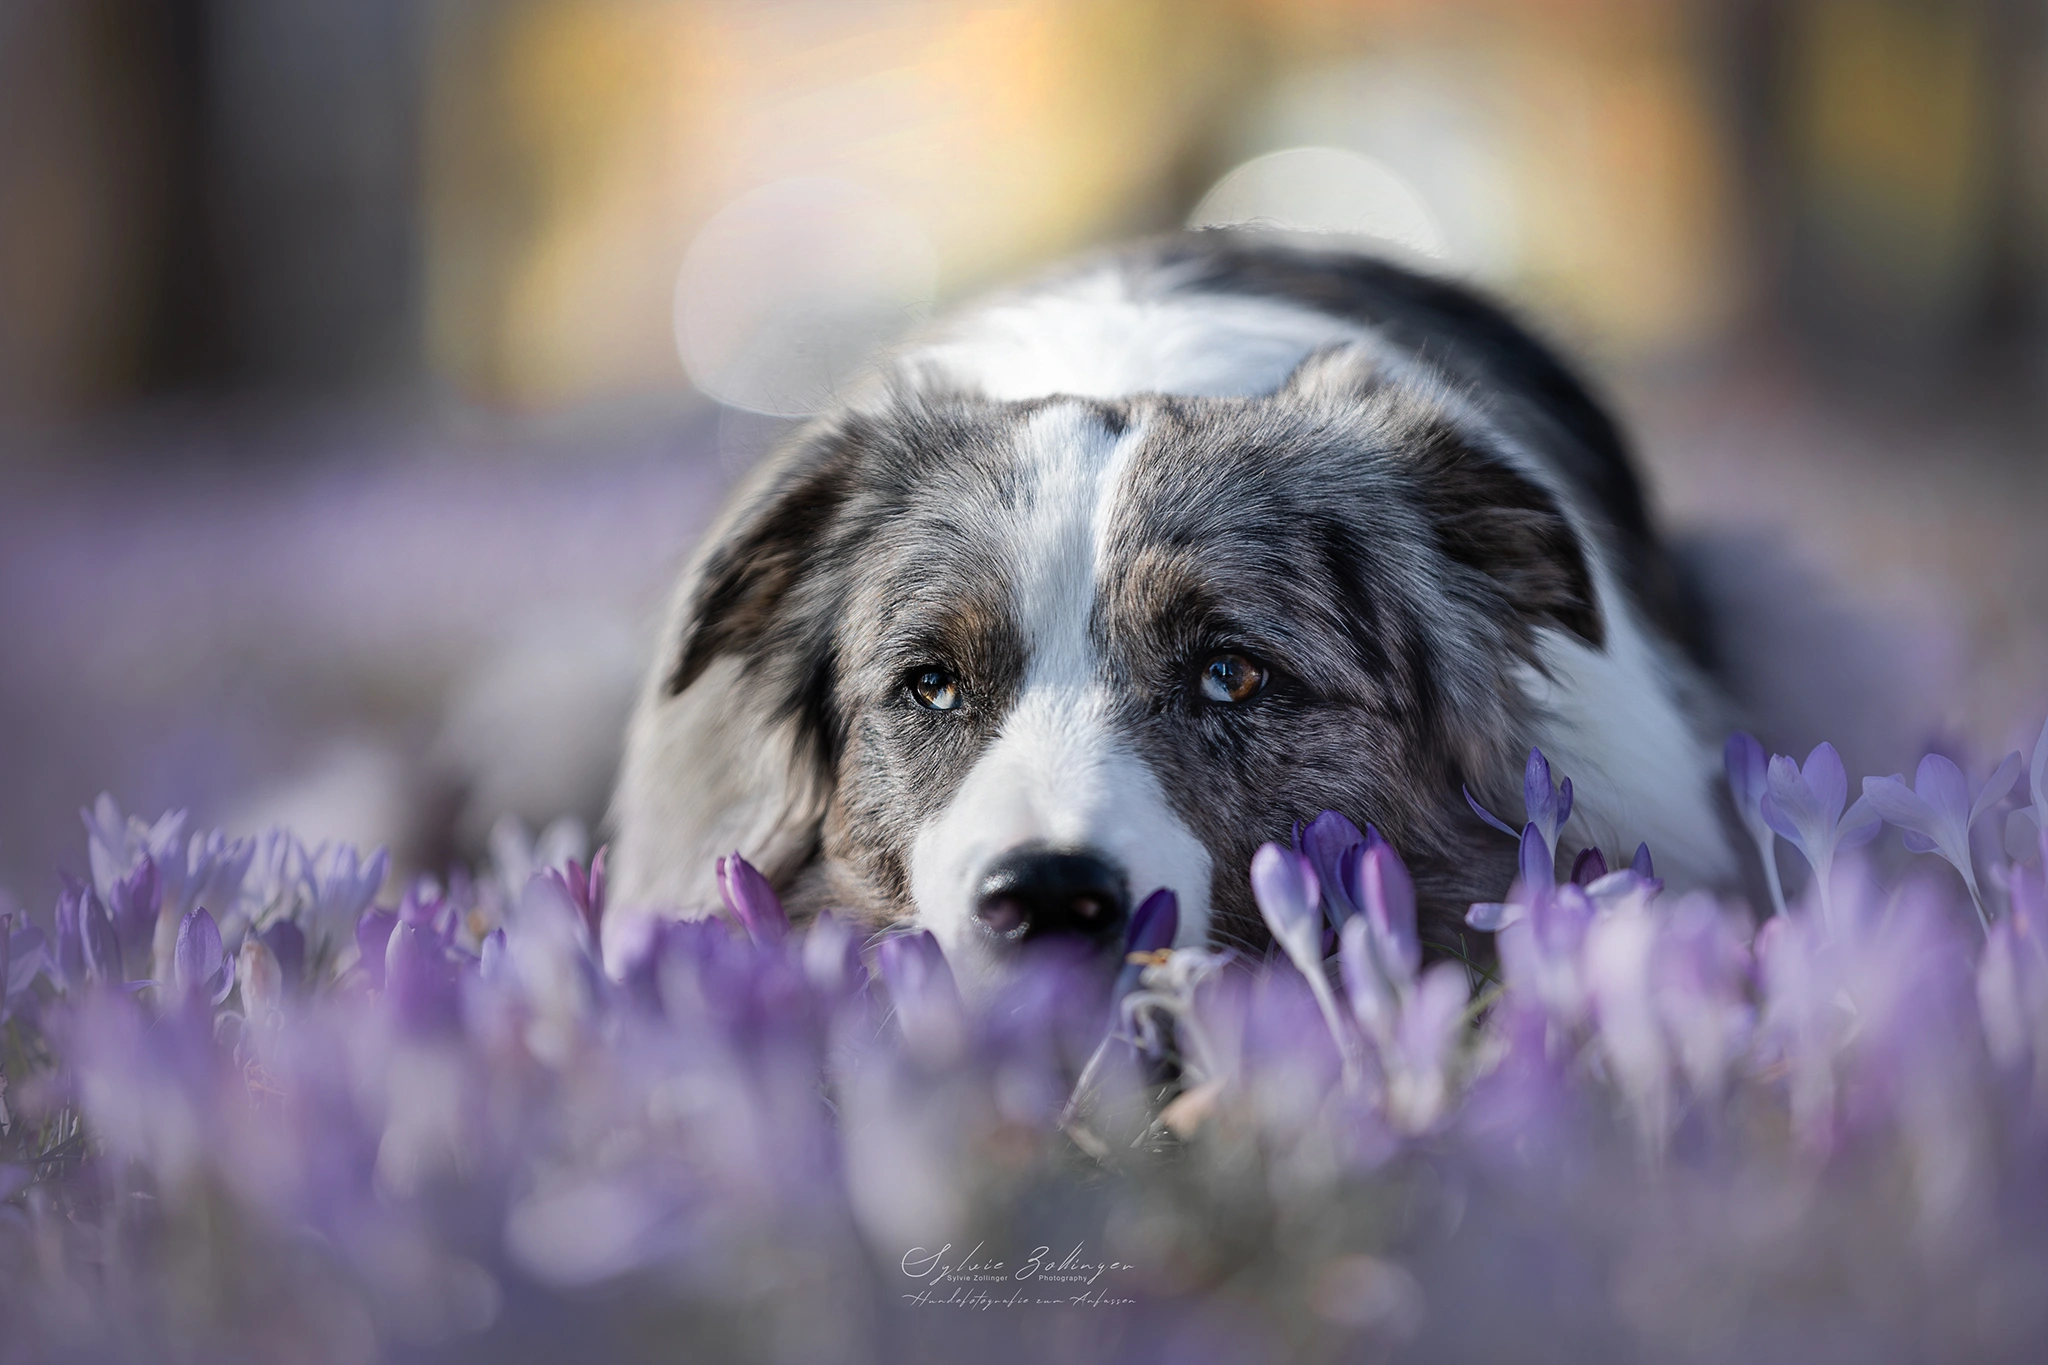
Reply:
x=1332, y=844
x=1380, y=952
x=1749, y=770
x=1589, y=867
x=340, y=885
x=419, y=979
x=102, y=944
x=1153, y=927
x=2012, y=981
x=88, y=948
x=921, y=987
x=1536, y=881
x=23, y=956
x=1937, y=812
x=831, y=957
x=2024, y=828
x=287, y=944
x=133, y=904
x=584, y=889
x=1804, y=804
x=373, y=938
x=1545, y=805
x=116, y=843
x=1285, y=885
x=752, y=900
x=200, y=965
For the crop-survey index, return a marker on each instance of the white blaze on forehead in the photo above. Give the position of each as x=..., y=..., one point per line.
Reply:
x=1096, y=336
x=1057, y=772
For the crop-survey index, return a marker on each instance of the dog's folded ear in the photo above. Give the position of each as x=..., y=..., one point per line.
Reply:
x=1487, y=514
x=735, y=602
x=1495, y=519
x=729, y=747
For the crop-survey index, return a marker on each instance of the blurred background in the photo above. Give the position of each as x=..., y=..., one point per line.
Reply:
x=366, y=368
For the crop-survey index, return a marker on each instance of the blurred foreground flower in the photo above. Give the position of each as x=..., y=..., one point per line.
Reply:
x=346, y=1121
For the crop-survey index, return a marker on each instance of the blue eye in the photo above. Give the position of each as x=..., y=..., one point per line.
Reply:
x=1228, y=679
x=936, y=690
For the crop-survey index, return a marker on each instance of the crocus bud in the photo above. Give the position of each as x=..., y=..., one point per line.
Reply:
x=752, y=900
x=262, y=979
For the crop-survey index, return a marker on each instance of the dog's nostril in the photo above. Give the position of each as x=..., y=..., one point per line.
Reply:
x=1033, y=893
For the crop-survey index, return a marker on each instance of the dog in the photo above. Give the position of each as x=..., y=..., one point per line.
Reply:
x=1101, y=583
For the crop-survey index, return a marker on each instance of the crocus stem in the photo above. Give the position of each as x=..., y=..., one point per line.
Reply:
x=1347, y=1048
x=1767, y=850
x=1977, y=899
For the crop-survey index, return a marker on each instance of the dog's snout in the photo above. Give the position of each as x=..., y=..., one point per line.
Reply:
x=1032, y=893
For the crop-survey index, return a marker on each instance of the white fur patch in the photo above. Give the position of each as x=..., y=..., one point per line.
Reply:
x=1611, y=721
x=1057, y=771
x=1098, y=336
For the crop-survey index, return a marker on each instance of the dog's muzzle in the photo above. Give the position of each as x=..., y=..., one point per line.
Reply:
x=1034, y=892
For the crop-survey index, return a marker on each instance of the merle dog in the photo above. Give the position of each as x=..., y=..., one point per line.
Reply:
x=1101, y=583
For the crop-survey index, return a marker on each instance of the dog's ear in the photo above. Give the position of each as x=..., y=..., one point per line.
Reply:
x=1491, y=517
x=729, y=747
x=1487, y=515
x=733, y=599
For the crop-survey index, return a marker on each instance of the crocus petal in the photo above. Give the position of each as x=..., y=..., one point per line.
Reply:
x=921, y=984
x=1941, y=784
x=1825, y=777
x=1539, y=870
x=1154, y=924
x=1327, y=841
x=1896, y=802
x=1996, y=786
x=197, y=961
x=71, y=930
x=1589, y=867
x=1488, y=816
x=1859, y=825
x=2037, y=774
x=1153, y=927
x=1489, y=916
x=287, y=943
x=1284, y=885
x=1564, y=802
x=831, y=955
x=594, y=906
x=752, y=900
x=1539, y=797
x=1788, y=805
x=102, y=944
x=419, y=981
x=1748, y=767
x=134, y=902
x=261, y=979
x=1372, y=996
x=1389, y=896
x=373, y=936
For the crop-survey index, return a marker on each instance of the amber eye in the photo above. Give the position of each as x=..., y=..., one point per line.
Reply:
x=1231, y=678
x=935, y=690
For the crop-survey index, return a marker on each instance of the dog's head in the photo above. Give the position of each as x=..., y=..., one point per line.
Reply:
x=1002, y=668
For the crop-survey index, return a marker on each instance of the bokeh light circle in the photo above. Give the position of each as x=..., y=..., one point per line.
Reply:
x=1325, y=190
x=787, y=291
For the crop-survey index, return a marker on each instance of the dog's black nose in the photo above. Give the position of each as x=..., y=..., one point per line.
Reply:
x=1034, y=893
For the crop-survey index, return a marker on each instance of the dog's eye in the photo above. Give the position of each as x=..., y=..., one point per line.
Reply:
x=935, y=690
x=1231, y=678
